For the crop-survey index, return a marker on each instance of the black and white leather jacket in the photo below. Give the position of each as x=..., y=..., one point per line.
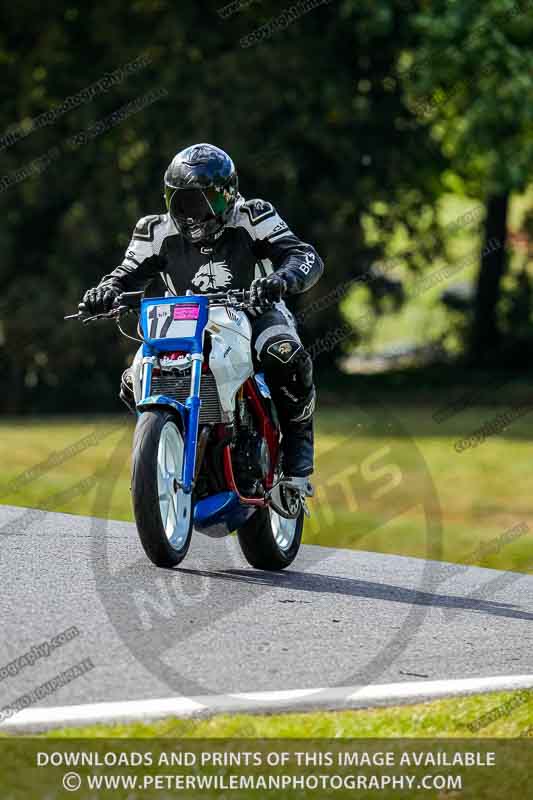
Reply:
x=255, y=242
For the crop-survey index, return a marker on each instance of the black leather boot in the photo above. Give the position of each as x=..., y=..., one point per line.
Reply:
x=297, y=448
x=296, y=421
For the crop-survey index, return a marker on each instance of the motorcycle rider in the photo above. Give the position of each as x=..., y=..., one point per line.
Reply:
x=212, y=239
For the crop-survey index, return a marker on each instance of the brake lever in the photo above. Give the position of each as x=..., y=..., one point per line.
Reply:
x=82, y=318
x=114, y=313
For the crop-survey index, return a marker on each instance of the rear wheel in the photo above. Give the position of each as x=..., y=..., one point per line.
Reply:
x=270, y=541
x=163, y=511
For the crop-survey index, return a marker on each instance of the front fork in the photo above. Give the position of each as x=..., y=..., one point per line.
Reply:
x=192, y=419
x=190, y=413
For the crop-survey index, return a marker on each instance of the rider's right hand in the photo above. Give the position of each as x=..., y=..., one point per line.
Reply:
x=268, y=290
x=98, y=300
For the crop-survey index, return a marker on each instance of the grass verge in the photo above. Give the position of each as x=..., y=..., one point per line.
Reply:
x=498, y=715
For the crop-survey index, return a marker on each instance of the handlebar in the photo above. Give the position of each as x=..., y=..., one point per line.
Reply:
x=131, y=301
x=232, y=297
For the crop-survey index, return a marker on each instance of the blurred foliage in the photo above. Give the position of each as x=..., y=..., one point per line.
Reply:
x=471, y=78
x=311, y=117
x=316, y=117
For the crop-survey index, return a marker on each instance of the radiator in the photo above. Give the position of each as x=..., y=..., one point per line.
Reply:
x=178, y=387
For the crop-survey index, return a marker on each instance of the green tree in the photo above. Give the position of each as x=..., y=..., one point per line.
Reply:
x=471, y=79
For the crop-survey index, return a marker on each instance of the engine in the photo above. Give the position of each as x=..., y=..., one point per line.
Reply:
x=251, y=457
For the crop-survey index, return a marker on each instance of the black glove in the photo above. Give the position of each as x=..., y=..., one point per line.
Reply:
x=99, y=300
x=266, y=291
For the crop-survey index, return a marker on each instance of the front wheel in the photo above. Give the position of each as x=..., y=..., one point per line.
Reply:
x=270, y=541
x=163, y=511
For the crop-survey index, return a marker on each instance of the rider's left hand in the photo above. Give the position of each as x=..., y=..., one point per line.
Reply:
x=266, y=291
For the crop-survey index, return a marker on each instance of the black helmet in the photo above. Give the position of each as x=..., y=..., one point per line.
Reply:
x=201, y=188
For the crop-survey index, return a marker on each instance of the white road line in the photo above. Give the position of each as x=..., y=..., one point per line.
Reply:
x=33, y=720
x=443, y=688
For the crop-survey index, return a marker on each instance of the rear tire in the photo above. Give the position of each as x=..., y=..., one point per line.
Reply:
x=269, y=541
x=163, y=512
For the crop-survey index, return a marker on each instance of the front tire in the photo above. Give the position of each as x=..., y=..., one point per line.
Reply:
x=269, y=541
x=163, y=512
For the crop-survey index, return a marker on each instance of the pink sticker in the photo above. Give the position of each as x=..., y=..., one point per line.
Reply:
x=186, y=312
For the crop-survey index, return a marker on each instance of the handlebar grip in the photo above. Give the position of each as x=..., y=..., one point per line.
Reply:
x=128, y=299
x=131, y=295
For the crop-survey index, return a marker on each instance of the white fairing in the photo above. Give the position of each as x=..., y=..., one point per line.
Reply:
x=230, y=360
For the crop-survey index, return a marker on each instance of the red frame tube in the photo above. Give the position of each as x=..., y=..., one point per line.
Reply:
x=268, y=431
x=228, y=473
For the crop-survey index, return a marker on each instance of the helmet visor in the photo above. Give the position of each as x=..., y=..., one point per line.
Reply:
x=199, y=205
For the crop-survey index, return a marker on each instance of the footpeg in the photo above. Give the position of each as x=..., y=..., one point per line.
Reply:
x=301, y=485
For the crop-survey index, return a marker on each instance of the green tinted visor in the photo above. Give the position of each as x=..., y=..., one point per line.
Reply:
x=196, y=204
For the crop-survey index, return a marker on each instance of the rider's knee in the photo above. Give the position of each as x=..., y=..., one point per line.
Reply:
x=284, y=354
x=288, y=370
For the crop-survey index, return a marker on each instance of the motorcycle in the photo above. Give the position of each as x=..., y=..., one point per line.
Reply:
x=206, y=449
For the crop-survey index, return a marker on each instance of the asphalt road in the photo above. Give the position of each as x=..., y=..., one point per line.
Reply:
x=215, y=625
